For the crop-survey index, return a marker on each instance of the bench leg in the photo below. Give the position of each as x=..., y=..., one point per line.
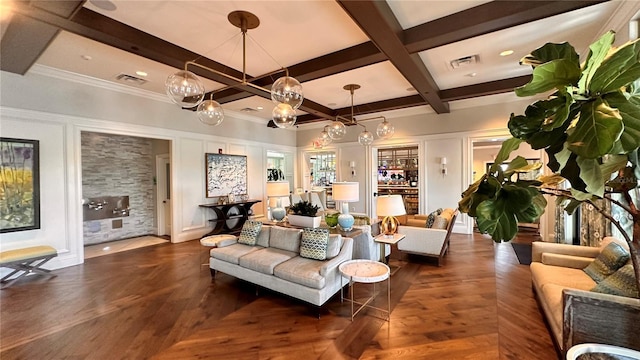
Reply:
x=27, y=267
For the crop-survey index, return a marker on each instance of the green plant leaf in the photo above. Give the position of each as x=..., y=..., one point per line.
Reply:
x=516, y=164
x=597, y=52
x=535, y=209
x=591, y=175
x=494, y=220
x=634, y=157
x=598, y=128
x=580, y=195
x=571, y=172
x=629, y=110
x=508, y=146
x=618, y=70
x=549, y=52
x=553, y=74
x=560, y=112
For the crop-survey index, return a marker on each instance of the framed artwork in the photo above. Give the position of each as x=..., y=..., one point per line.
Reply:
x=19, y=185
x=225, y=175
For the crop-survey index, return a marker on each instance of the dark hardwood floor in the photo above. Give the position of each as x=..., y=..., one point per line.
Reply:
x=158, y=302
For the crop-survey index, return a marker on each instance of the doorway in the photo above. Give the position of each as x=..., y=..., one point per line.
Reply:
x=163, y=194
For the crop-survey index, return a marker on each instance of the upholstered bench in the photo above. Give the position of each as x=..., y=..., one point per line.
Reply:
x=28, y=260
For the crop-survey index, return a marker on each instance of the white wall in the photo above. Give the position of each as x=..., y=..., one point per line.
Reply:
x=56, y=111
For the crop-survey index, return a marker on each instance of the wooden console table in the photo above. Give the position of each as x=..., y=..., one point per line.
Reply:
x=229, y=217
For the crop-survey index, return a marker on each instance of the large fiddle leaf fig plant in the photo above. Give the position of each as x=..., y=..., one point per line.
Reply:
x=590, y=129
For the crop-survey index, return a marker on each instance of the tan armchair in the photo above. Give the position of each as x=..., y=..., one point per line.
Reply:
x=424, y=241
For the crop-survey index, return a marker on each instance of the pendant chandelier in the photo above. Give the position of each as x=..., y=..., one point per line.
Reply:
x=337, y=129
x=184, y=88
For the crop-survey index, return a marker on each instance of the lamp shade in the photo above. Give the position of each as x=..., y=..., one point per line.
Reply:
x=390, y=205
x=346, y=191
x=277, y=188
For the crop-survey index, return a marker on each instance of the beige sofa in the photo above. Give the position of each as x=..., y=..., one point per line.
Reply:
x=420, y=240
x=573, y=313
x=274, y=262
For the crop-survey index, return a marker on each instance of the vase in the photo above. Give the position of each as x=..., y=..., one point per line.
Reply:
x=304, y=221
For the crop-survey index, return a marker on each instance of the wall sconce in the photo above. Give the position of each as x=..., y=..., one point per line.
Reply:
x=352, y=165
x=443, y=163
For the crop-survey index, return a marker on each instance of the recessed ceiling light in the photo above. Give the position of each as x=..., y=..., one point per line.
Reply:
x=410, y=89
x=506, y=53
x=332, y=104
x=86, y=57
x=259, y=108
x=141, y=73
x=471, y=74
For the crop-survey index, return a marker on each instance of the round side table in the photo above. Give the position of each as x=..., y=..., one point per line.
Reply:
x=601, y=351
x=216, y=241
x=366, y=271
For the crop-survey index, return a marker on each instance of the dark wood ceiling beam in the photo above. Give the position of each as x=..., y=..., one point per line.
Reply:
x=484, y=19
x=25, y=39
x=377, y=21
x=484, y=89
x=463, y=92
x=100, y=28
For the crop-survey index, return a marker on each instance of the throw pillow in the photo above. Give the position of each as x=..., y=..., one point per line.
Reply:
x=249, y=233
x=622, y=283
x=314, y=243
x=432, y=217
x=440, y=222
x=610, y=259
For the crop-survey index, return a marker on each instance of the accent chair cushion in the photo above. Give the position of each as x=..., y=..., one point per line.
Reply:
x=611, y=258
x=622, y=283
x=249, y=233
x=314, y=243
x=440, y=222
x=431, y=218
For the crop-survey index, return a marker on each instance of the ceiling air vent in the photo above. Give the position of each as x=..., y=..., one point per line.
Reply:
x=130, y=79
x=463, y=62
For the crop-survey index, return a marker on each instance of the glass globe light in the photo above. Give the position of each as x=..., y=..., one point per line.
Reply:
x=284, y=116
x=210, y=112
x=385, y=130
x=185, y=89
x=365, y=138
x=287, y=90
x=337, y=130
x=324, y=137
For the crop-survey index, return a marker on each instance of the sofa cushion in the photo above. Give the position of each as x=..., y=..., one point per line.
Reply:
x=561, y=276
x=416, y=222
x=622, y=282
x=611, y=258
x=301, y=271
x=263, y=237
x=265, y=260
x=285, y=238
x=314, y=243
x=551, y=295
x=334, y=245
x=233, y=253
x=249, y=232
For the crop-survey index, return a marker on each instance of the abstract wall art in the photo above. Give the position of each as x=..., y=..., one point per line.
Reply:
x=225, y=174
x=19, y=185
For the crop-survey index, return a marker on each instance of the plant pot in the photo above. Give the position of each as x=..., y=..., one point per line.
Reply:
x=304, y=221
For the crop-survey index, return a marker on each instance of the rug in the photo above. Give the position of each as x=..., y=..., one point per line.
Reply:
x=523, y=252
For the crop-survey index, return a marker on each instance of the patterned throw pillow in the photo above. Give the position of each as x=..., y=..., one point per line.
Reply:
x=610, y=259
x=249, y=233
x=440, y=223
x=432, y=217
x=314, y=243
x=621, y=282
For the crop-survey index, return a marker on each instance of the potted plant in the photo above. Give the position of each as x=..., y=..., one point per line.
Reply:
x=590, y=129
x=303, y=214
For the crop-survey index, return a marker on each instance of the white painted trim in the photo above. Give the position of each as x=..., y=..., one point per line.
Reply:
x=620, y=18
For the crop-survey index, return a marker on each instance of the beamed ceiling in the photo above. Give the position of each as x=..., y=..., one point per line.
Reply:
x=400, y=52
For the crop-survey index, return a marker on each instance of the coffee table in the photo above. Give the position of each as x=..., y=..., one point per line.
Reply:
x=366, y=271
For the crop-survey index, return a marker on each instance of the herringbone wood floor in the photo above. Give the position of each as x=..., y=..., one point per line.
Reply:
x=158, y=302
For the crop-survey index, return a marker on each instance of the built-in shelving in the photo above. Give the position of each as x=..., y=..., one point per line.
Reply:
x=398, y=175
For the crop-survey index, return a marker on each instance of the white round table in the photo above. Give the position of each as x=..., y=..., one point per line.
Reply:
x=366, y=271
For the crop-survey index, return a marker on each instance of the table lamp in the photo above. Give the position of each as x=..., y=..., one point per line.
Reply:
x=277, y=189
x=390, y=206
x=346, y=192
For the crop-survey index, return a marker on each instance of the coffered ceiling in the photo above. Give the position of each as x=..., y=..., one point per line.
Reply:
x=420, y=54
